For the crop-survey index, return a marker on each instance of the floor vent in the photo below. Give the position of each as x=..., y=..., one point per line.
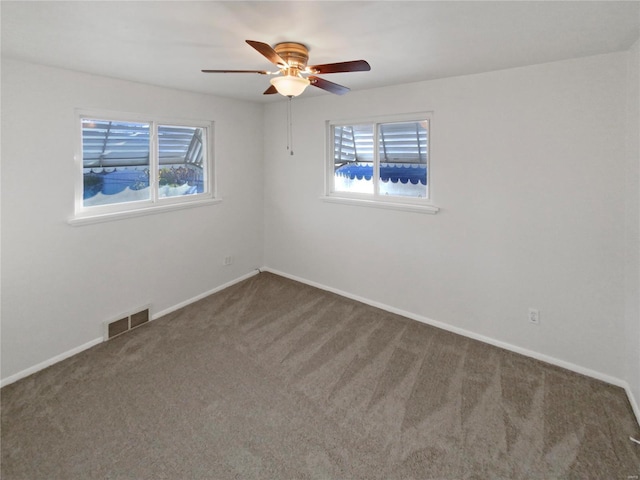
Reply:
x=125, y=323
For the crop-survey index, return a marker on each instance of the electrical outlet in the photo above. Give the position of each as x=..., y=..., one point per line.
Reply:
x=227, y=260
x=534, y=316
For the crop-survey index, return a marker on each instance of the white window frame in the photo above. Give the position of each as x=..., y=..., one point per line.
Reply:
x=414, y=204
x=155, y=204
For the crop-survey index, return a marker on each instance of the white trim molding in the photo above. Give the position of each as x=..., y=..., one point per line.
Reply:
x=407, y=207
x=51, y=361
x=475, y=336
x=178, y=306
x=80, y=220
x=85, y=346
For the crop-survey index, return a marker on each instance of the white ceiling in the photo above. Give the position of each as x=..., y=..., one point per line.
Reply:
x=167, y=43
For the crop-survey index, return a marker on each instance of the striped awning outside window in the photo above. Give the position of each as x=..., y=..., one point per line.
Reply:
x=108, y=143
x=401, y=142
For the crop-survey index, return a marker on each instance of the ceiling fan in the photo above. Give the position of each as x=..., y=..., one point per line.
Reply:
x=294, y=73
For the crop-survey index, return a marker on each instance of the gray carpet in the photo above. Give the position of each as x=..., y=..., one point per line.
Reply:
x=272, y=379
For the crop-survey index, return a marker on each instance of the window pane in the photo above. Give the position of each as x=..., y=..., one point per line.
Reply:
x=115, y=161
x=182, y=159
x=353, y=158
x=403, y=158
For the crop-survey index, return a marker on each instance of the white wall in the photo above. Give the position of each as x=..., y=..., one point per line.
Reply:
x=59, y=283
x=528, y=167
x=632, y=248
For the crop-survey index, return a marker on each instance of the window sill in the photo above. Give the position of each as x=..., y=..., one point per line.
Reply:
x=91, y=218
x=407, y=207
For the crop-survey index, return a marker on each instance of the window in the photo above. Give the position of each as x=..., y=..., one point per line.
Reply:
x=129, y=164
x=384, y=161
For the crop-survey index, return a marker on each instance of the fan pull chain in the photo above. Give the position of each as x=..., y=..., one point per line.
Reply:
x=289, y=128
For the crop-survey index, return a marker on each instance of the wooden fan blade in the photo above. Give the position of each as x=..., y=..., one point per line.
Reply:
x=269, y=91
x=261, y=72
x=352, y=66
x=328, y=86
x=268, y=52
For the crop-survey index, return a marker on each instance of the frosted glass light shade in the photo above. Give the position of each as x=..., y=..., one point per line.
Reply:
x=290, y=86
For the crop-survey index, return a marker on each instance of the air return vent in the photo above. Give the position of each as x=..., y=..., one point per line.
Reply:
x=125, y=323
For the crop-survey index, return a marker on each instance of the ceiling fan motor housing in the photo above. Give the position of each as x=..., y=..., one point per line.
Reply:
x=295, y=54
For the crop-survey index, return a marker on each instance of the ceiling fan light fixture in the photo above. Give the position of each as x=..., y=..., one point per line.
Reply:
x=289, y=85
x=291, y=59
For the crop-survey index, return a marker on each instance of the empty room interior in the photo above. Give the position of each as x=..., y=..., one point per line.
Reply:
x=394, y=240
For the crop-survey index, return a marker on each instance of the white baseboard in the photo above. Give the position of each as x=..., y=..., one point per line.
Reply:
x=47, y=363
x=467, y=333
x=69, y=353
x=460, y=331
x=633, y=401
x=178, y=306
